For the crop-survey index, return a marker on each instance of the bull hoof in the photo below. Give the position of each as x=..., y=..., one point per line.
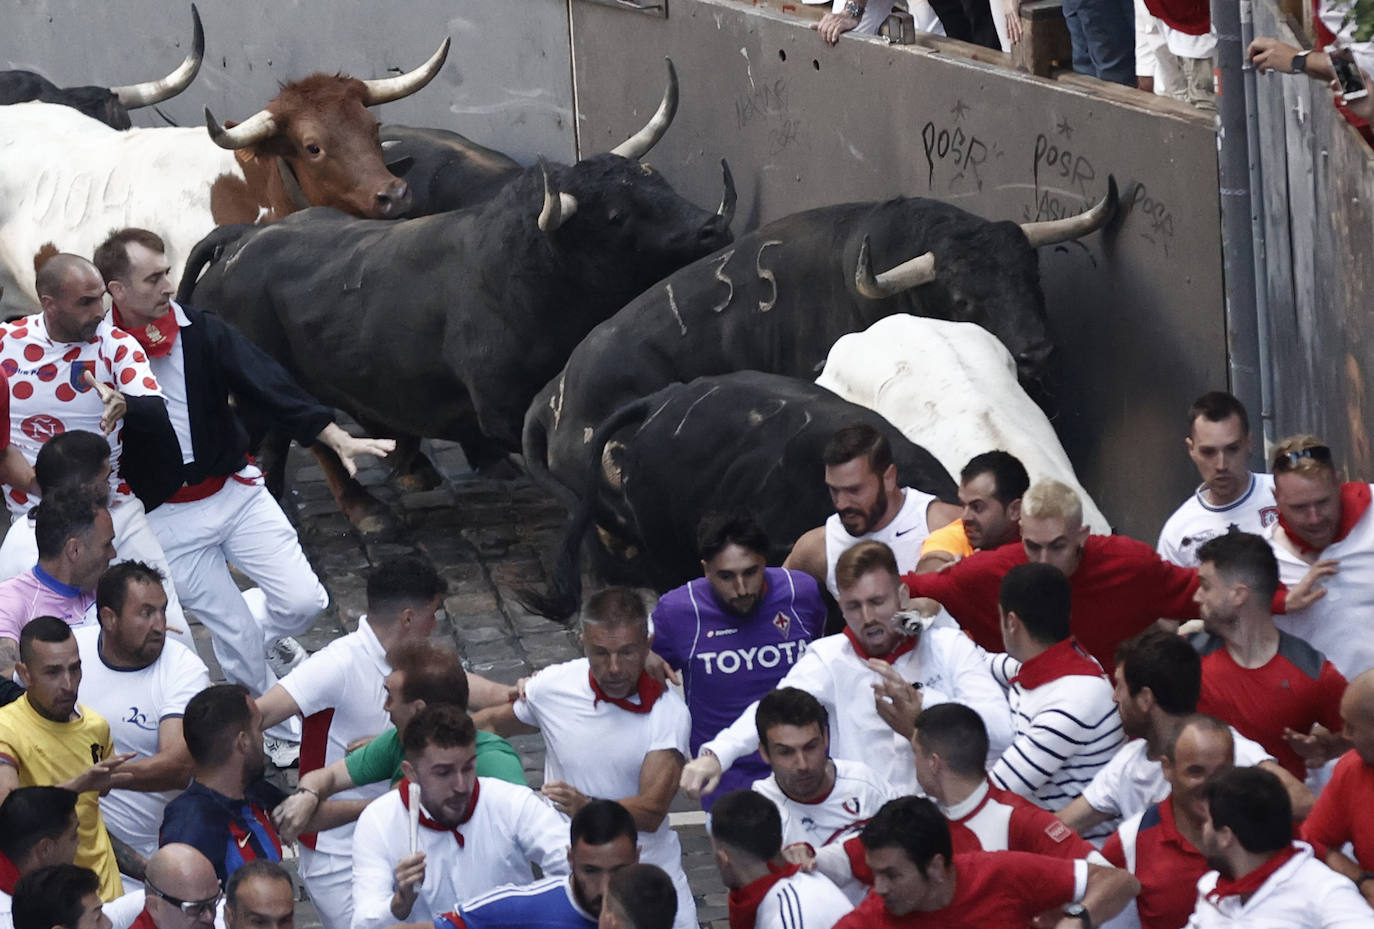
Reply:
x=372, y=519
x=419, y=480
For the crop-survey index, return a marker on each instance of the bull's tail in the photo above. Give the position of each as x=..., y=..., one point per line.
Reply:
x=206, y=252
x=564, y=595
x=534, y=448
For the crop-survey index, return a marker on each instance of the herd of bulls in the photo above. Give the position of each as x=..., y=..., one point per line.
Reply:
x=647, y=365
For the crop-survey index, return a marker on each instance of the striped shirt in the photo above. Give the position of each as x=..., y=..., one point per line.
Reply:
x=801, y=901
x=1067, y=726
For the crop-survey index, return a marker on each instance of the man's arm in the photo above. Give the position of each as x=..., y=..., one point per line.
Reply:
x=9, y=654
x=808, y=555
x=1108, y=892
x=293, y=815
x=16, y=471
x=484, y=692
x=169, y=769
x=276, y=705
x=1080, y=816
x=127, y=858
x=968, y=590
x=502, y=721
x=9, y=777
x=1269, y=54
x=658, y=780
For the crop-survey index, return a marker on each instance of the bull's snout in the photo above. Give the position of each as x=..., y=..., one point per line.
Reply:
x=1032, y=363
x=394, y=199
x=715, y=234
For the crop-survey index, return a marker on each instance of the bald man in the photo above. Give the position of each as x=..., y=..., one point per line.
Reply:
x=1351, y=788
x=182, y=890
x=69, y=368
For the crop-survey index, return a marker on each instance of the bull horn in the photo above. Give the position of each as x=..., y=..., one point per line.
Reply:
x=387, y=89
x=913, y=273
x=638, y=145
x=1051, y=232
x=727, y=199
x=133, y=96
x=259, y=127
x=557, y=209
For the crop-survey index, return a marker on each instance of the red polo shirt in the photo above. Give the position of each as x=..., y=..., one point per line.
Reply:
x=1334, y=820
x=1166, y=864
x=1121, y=587
x=992, y=889
x=1293, y=690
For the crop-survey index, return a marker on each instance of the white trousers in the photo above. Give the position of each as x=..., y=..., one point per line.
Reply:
x=329, y=881
x=134, y=540
x=241, y=524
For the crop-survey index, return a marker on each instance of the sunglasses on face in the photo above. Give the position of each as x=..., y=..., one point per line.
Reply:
x=189, y=908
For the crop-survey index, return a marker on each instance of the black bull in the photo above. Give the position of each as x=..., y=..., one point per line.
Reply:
x=745, y=441
x=780, y=297
x=445, y=326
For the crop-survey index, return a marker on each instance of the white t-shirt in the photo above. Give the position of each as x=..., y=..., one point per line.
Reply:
x=856, y=796
x=903, y=535
x=802, y=901
x=170, y=371
x=1197, y=521
x=600, y=749
x=135, y=702
x=48, y=395
x=1131, y=781
x=510, y=828
x=1302, y=894
x=340, y=691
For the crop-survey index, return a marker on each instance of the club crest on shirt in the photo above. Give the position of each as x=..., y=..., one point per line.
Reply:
x=77, y=376
x=1268, y=516
x=41, y=427
x=851, y=806
x=1058, y=831
x=782, y=622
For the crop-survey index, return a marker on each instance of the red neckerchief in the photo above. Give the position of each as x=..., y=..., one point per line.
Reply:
x=1354, y=501
x=1062, y=659
x=1226, y=887
x=158, y=337
x=649, y=691
x=9, y=875
x=144, y=921
x=906, y=644
x=744, y=901
x=404, y=788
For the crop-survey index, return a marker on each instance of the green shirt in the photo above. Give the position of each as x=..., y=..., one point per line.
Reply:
x=380, y=759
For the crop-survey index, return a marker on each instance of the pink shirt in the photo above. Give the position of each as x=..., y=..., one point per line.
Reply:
x=35, y=593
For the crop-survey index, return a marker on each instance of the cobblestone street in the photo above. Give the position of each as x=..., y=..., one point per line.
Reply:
x=488, y=539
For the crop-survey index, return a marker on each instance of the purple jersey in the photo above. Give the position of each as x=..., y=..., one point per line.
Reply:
x=727, y=661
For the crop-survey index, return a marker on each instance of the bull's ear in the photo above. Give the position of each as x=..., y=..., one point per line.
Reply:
x=401, y=165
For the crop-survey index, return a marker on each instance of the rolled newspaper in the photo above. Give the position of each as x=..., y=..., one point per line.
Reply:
x=414, y=818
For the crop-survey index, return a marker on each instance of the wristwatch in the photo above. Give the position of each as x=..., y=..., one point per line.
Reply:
x=1299, y=65
x=1079, y=912
x=853, y=9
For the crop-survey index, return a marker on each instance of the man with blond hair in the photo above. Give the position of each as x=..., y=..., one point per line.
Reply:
x=1325, y=528
x=1120, y=586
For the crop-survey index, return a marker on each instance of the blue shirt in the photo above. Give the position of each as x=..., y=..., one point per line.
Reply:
x=728, y=661
x=546, y=904
x=229, y=832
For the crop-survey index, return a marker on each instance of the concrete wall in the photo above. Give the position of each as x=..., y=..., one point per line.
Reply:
x=1137, y=311
x=507, y=81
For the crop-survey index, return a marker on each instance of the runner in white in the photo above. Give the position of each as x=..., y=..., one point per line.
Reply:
x=611, y=731
x=1231, y=495
x=70, y=368
x=873, y=679
x=869, y=506
x=473, y=833
x=765, y=891
x=339, y=692
x=819, y=799
x=140, y=681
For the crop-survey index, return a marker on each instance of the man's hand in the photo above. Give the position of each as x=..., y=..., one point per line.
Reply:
x=293, y=813
x=1363, y=108
x=898, y=703
x=566, y=798
x=112, y=399
x=349, y=448
x=800, y=854
x=1012, y=9
x=660, y=670
x=410, y=874
x=1308, y=591
x=1268, y=54
x=1316, y=747
x=700, y=776
x=101, y=776
x=834, y=25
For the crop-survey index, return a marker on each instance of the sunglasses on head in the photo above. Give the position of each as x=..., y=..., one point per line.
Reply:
x=1290, y=460
x=189, y=908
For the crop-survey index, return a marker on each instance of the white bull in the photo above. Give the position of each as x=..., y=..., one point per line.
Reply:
x=952, y=388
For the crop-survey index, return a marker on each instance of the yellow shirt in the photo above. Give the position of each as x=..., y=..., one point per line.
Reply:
x=47, y=753
x=951, y=538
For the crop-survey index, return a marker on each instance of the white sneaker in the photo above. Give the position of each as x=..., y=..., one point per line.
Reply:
x=280, y=752
x=285, y=654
